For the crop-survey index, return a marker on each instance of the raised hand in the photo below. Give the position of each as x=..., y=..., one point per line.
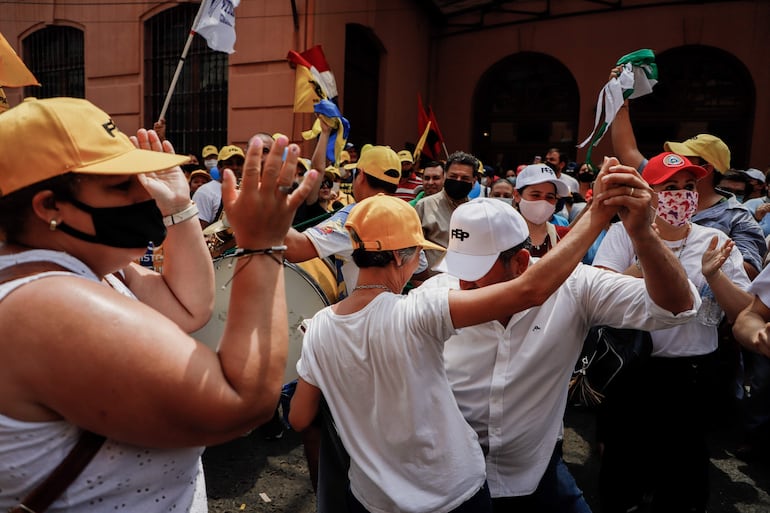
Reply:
x=625, y=189
x=168, y=188
x=714, y=257
x=262, y=210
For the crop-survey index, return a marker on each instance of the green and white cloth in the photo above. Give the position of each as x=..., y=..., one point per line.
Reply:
x=637, y=77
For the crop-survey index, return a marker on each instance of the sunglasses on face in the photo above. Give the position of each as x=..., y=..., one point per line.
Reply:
x=326, y=183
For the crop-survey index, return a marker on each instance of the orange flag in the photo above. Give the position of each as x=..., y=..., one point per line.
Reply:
x=13, y=72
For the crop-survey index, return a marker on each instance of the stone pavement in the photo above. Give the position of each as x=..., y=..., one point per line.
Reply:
x=254, y=475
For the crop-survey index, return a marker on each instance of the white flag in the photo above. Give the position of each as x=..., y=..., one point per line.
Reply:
x=217, y=24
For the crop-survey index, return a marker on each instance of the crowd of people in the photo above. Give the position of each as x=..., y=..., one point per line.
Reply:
x=462, y=298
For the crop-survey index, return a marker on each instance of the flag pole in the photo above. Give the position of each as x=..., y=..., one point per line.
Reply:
x=443, y=144
x=181, y=62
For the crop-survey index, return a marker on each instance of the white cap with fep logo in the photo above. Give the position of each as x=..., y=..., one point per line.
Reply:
x=478, y=232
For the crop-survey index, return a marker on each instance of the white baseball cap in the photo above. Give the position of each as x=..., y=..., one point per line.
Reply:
x=756, y=174
x=540, y=173
x=479, y=231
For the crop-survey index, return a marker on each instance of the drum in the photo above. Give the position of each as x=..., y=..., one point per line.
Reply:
x=304, y=297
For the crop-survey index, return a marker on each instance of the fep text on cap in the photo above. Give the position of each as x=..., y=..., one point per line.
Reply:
x=479, y=231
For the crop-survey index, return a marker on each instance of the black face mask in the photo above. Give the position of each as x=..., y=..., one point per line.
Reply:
x=130, y=226
x=457, y=189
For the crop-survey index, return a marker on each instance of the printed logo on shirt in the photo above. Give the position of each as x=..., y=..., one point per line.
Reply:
x=536, y=328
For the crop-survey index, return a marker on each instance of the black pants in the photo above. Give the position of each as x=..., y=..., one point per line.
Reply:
x=653, y=428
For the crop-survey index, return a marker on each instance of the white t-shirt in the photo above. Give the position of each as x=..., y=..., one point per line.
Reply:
x=120, y=477
x=511, y=382
x=208, y=198
x=761, y=286
x=381, y=371
x=616, y=252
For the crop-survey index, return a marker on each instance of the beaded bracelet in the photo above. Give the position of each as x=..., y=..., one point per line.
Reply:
x=241, y=252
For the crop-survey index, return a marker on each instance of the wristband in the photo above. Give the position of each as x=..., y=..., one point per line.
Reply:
x=181, y=216
x=241, y=252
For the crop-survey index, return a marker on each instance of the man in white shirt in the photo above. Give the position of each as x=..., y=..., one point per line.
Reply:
x=510, y=377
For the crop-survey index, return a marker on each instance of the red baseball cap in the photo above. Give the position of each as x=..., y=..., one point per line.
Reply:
x=663, y=166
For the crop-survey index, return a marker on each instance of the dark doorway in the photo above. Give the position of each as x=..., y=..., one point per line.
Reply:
x=362, y=82
x=523, y=105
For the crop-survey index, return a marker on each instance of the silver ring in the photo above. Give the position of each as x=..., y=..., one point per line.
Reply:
x=286, y=189
x=632, y=192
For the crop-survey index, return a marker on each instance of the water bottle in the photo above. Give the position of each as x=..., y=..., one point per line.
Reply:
x=709, y=313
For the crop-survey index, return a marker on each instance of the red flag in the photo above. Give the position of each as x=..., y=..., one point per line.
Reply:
x=434, y=124
x=433, y=142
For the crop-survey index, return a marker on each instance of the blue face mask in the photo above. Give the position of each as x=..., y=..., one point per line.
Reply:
x=129, y=226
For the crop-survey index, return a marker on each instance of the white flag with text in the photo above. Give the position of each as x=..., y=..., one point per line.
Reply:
x=217, y=24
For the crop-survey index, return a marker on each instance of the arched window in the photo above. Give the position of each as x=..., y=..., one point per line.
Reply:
x=523, y=105
x=701, y=89
x=197, y=114
x=55, y=56
x=362, y=79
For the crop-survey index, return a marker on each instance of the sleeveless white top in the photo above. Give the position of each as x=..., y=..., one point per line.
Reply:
x=120, y=477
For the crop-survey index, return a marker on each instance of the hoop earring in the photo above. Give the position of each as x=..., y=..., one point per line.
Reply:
x=52, y=225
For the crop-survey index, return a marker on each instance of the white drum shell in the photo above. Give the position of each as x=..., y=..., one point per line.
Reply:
x=303, y=299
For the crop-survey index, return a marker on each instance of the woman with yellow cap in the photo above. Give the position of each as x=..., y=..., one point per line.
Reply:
x=97, y=359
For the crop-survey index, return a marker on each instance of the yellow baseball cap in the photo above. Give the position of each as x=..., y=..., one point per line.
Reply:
x=230, y=151
x=209, y=150
x=405, y=156
x=62, y=135
x=332, y=172
x=201, y=172
x=380, y=162
x=706, y=146
x=384, y=223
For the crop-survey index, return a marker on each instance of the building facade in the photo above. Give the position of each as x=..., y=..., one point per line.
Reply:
x=506, y=80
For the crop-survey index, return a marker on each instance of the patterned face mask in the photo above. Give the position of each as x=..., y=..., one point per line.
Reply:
x=677, y=207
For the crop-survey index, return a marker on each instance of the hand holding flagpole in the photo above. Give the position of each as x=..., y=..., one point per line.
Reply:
x=215, y=21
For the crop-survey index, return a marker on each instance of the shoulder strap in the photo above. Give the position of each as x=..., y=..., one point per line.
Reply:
x=39, y=499
x=17, y=271
x=551, y=229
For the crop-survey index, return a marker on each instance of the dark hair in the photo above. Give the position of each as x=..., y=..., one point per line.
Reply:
x=364, y=258
x=466, y=159
x=381, y=185
x=434, y=163
x=506, y=256
x=16, y=208
x=562, y=154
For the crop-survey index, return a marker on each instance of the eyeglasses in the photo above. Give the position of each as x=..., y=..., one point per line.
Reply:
x=326, y=183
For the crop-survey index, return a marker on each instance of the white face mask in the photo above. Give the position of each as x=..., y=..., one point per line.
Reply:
x=505, y=200
x=536, y=212
x=209, y=163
